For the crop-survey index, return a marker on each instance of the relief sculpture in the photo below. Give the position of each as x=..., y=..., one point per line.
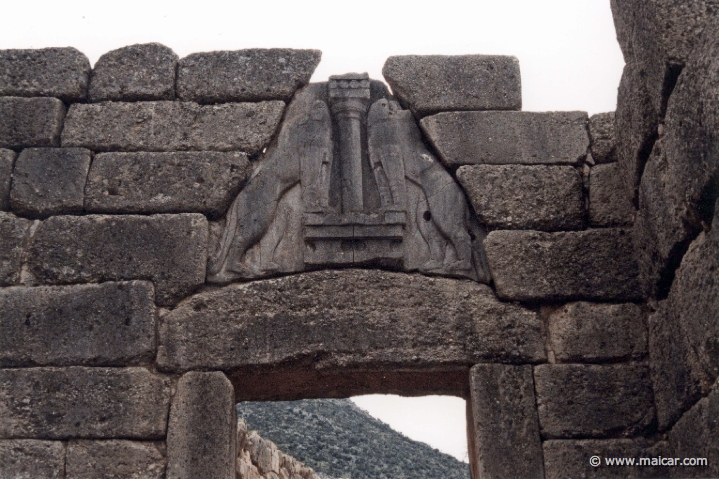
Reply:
x=349, y=182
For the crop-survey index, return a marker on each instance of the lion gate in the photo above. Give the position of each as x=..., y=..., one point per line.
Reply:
x=180, y=235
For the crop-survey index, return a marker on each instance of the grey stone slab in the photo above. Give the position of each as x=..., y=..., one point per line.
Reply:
x=110, y=324
x=172, y=126
x=663, y=225
x=139, y=72
x=610, y=202
x=504, y=422
x=57, y=72
x=677, y=385
x=602, y=137
x=685, y=331
x=115, y=458
x=170, y=250
x=79, y=402
x=32, y=459
x=7, y=161
x=357, y=318
x=508, y=137
x=569, y=459
x=15, y=233
x=592, y=401
x=49, y=181
x=429, y=84
x=202, y=433
x=696, y=435
x=256, y=74
x=594, y=265
x=191, y=182
x=547, y=198
x=29, y=122
x=593, y=332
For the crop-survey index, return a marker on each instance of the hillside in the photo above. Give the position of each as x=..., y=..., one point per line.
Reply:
x=336, y=438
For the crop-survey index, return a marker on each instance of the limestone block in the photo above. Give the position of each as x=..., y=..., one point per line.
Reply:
x=134, y=73
x=170, y=250
x=696, y=435
x=49, y=181
x=504, y=422
x=593, y=265
x=202, y=434
x=676, y=384
x=58, y=72
x=115, y=458
x=197, y=182
x=662, y=228
x=110, y=324
x=592, y=332
x=7, y=160
x=591, y=401
x=172, y=126
x=547, y=198
x=569, y=459
x=602, y=137
x=610, y=202
x=428, y=84
x=256, y=74
x=79, y=402
x=684, y=333
x=28, y=122
x=31, y=459
x=14, y=233
x=508, y=137
x=367, y=317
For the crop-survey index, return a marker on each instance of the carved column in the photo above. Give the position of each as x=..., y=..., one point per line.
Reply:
x=349, y=96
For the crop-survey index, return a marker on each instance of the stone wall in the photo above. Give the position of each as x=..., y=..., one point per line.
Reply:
x=181, y=234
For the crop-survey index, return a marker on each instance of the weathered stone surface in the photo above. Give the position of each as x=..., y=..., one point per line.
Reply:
x=170, y=126
x=594, y=265
x=197, y=182
x=28, y=122
x=636, y=121
x=569, y=459
x=501, y=138
x=49, y=181
x=110, y=324
x=547, y=198
x=504, y=422
x=428, y=84
x=59, y=72
x=661, y=35
x=7, y=160
x=585, y=400
x=14, y=233
x=684, y=332
x=610, y=203
x=202, y=434
x=256, y=74
x=170, y=250
x=115, y=458
x=134, y=73
x=31, y=459
x=367, y=318
x=591, y=332
x=696, y=435
x=79, y=402
x=602, y=137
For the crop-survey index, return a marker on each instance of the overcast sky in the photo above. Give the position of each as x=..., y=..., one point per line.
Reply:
x=567, y=50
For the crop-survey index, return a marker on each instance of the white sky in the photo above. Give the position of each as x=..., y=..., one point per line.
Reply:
x=567, y=50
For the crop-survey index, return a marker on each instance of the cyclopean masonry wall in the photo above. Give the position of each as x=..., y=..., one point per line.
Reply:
x=179, y=235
